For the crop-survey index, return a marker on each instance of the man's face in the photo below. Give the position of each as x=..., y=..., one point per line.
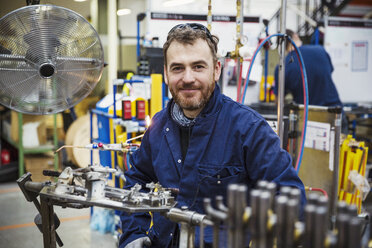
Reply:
x=190, y=75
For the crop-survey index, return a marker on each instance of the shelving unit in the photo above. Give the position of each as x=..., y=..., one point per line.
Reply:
x=22, y=151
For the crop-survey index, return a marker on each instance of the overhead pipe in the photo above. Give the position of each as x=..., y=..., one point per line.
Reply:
x=238, y=44
x=209, y=16
x=112, y=44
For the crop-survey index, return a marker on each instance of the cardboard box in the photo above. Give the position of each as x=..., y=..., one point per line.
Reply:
x=40, y=132
x=35, y=164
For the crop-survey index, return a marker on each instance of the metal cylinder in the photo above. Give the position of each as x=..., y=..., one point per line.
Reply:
x=280, y=210
x=312, y=199
x=240, y=204
x=341, y=207
x=271, y=188
x=231, y=199
x=291, y=218
x=342, y=230
x=264, y=205
x=262, y=184
x=285, y=191
x=309, y=226
x=254, y=219
x=323, y=201
x=295, y=194
x=355, y=233
x=352, y=210
x=321, y=215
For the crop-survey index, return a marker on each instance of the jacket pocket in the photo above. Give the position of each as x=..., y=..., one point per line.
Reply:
x=213, y=180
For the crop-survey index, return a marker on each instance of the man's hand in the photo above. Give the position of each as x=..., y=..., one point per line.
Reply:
x=139, y=243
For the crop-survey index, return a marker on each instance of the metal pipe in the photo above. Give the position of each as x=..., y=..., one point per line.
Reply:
x=213, y=213
x=336, y=156
x=342, y=230
x=231, y=200
x=220, y=205
x=264, y=204
x=201, y=236
x=309, y=226
x=240, y=204
x=239, y=34
x=209, y=16
x=187, y=235
x=262, y=184
x=355, y=232
x=291, y=218
x=255, y=209
x=48, y=225
x=295, y=194
x=271, y=187
x=280, y=207
x=321, y=215
x=112, y=43
x=281, y=73
x=312, y=199
x=323, y=201
x=285, y=191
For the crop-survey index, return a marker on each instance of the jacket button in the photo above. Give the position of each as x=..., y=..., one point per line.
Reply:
x=167, y=129
x=179, y=161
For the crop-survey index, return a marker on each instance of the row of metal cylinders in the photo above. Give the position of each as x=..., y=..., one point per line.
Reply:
x=274, y=220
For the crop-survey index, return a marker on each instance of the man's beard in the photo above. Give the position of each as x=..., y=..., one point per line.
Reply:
x=193, y=103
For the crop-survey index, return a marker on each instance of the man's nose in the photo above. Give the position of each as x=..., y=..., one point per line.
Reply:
x=188, y=76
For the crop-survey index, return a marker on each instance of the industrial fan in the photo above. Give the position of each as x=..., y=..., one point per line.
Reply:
x=50, y=59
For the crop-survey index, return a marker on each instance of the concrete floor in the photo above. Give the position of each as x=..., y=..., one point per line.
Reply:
x=17, y=228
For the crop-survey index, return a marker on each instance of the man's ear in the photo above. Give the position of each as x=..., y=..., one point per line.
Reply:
x=217, y=70
x=165, y=75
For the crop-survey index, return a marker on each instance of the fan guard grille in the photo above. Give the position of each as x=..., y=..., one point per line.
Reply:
x=50, y=59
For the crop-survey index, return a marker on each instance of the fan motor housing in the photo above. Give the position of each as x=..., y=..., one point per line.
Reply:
x=47, y=70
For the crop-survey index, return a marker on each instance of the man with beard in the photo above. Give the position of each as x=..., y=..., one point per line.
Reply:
x=201, y=142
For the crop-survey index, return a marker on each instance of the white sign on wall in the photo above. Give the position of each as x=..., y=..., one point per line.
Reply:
x=348, y=42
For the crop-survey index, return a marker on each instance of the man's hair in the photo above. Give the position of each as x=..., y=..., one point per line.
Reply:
x=290, y=33
x=187, y=34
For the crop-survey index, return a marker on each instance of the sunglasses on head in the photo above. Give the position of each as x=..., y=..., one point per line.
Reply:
x=195, y=26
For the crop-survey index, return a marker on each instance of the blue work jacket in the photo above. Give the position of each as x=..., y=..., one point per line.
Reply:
x=229, y=143
x=321, y=89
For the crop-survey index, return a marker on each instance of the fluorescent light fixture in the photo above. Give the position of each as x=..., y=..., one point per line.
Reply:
x=122, y=12
x=171, y=3
x=79, y=0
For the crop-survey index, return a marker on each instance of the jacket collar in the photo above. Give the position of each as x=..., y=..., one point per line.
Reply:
x=213, y=105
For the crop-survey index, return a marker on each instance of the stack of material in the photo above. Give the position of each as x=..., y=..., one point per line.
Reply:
x=353, y=187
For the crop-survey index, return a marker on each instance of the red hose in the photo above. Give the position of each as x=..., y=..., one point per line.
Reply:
x=317, y=189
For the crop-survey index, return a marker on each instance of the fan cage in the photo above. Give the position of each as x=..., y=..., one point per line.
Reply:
x=50, y=59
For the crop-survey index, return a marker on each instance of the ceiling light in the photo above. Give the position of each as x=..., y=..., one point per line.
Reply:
x=79, y=0
x=122, y=12
x=171, y=3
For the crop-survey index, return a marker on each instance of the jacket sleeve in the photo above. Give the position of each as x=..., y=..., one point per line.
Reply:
x=267, y=161
x=136, y=225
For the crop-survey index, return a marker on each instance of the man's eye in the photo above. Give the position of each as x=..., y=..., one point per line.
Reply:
x=177, y=68
x=198, y=67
